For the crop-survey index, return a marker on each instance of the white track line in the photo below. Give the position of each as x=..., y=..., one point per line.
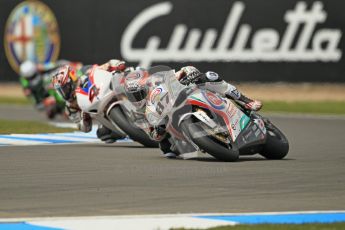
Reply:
x=141, y=223
x=18, y=142
x=145, y=222
x=164, y=215
x=57, y=137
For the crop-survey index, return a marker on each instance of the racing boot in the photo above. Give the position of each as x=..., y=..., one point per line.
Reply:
x=106, y=135
x=165, y=147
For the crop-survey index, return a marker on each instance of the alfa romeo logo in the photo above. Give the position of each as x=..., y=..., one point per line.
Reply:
x=31, y=33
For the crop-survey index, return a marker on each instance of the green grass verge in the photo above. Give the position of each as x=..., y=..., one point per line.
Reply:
x=15, y=101
x=333, y=226
x=311, y=107
x=29, y=127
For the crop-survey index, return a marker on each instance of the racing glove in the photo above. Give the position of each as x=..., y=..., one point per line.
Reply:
x=116, y=65
x=249, y=104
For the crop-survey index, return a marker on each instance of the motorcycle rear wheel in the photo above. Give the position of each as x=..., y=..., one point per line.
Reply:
x=117, y=115
x=209, y=143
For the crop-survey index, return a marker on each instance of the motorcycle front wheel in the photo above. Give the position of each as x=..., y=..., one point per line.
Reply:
x=277, y=145
x=117, y=115
x=208, y=143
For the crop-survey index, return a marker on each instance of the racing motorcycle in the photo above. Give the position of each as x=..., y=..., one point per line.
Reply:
x=208, y=122
x=126, y=116
x=99, y=100
x=40, y=89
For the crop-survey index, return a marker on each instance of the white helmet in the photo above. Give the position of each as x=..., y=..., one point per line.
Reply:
x=27, y=69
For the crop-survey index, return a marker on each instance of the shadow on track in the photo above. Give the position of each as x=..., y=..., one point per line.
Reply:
x=240, y=160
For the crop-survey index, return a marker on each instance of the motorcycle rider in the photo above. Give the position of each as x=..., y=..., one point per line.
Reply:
x=137, y=93
x=213, y=82
x=67, y=81
x=35, y=81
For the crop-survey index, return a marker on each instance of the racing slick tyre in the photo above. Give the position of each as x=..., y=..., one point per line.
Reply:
x=277, y=145
x=117, y=115
x=208, y=143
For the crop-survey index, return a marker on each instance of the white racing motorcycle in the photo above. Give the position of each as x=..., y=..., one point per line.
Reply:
x=99, y=100
x=96, y=97
x=126, y=116
x=208, y=122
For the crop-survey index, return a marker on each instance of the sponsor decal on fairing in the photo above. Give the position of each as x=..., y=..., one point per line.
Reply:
x=214, y=100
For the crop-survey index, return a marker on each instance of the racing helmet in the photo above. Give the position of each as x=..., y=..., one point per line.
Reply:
x=135, y=87
x=28, y=69
x=65, y=81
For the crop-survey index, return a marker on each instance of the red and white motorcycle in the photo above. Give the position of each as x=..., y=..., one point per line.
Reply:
x=99, y=99
x=96, y=97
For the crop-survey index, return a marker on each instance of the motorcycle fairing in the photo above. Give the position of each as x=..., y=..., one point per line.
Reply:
x=97, y=88
x=251, y=136
x=233, y=117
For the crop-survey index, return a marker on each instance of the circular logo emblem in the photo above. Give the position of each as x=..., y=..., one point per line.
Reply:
x=215, y=101
x=31, y=33
x=154, y=95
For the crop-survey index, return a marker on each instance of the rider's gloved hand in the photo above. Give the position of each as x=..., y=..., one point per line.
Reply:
x=253, y=105
x=242, y=100
x=116, y=65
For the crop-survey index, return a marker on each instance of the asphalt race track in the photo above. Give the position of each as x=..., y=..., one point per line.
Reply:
x=124, y=178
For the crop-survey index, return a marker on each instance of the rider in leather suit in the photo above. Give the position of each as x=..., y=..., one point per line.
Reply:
x=67, y=80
